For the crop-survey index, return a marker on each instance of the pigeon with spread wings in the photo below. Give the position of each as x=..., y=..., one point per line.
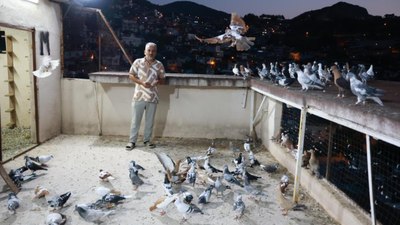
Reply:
x=171, y=168
x=233, y=34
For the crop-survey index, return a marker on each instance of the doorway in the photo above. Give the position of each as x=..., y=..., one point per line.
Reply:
x=17, y=92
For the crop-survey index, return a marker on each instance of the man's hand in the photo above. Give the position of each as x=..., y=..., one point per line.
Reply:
x=146, y=84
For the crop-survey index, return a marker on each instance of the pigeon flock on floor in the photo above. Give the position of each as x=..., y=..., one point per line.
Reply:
x=180, y=178
x=315, y=76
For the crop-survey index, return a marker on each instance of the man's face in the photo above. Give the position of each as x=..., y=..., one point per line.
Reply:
x=150, y=52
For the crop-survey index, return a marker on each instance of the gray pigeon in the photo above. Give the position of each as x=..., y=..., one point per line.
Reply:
x=238, y=207
x=32, y=165
x=363, y=91
x=92, y=215
x=13, y=202
x=204, y=197
x=59, y=201
x=228, y=176
x=270, y=168
x=220, y=187
x=135, y=179
x=134, y=165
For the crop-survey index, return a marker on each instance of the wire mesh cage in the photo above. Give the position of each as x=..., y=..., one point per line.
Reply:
x=340, y=156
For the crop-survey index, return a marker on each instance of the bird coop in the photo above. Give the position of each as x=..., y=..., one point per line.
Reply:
x=362, y=163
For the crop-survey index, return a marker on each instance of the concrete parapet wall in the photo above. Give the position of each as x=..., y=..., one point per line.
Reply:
x=183, y=111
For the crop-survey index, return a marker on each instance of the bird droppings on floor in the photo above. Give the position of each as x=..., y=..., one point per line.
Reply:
x=78, y=159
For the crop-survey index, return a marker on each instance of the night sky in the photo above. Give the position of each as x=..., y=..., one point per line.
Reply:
x=291, y=8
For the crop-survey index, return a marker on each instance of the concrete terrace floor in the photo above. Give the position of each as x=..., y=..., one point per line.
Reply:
x=75, y=167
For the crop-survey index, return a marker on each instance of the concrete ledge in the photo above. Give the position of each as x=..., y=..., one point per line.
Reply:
x=380, y=122
x=176, y=79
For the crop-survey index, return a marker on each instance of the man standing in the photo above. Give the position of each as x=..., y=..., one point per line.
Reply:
x=146, y=72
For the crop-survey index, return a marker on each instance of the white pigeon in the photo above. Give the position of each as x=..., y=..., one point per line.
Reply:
x=233, y=34
x=55, y=219
x=313, y=76
x=185, y=209
x=305, y=81
x=235, y=70
x=47, y=67
x=44, y=158
x=363, y=91
x=323, y=74
x=291, y=70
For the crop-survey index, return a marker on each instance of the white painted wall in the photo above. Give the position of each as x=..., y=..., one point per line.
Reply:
x=44, y=16
x=182, y=111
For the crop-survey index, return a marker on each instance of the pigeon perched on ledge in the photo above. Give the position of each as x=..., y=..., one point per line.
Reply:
x=364, y=92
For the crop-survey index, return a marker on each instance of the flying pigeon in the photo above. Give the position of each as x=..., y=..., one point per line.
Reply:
x=233, y=35
x=92, y=215
x=56, y=219
x=59, y=201
x=12, y=202
x=204, y=197
x=364, y=92
x=171, y=168
x=46, y=68
x=238, y=207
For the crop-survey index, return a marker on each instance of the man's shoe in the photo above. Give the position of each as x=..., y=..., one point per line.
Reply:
x=130, y=146
x=149, y=144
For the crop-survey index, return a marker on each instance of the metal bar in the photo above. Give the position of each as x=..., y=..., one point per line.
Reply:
x=328, y=159
x=114, y=36
x=244, y=100
x=302, y=130
x=371, y=187
x=99, y=52
x=252, y=107
x=259, y=110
